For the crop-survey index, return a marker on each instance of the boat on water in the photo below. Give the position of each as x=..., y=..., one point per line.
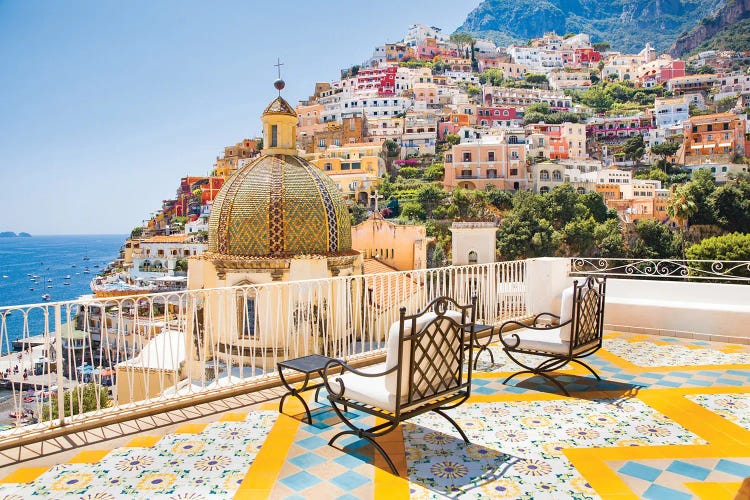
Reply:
x=49, y=286
x=86, y=271
x=66, y=284
x=31, y=288
x=35, y=276
x=49, y=280
x=5, y=276
x=46, y=296
x=74, y=265
x=67, y=277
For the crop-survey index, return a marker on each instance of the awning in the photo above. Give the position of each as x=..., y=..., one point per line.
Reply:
x=696, y=147
x=725, y=145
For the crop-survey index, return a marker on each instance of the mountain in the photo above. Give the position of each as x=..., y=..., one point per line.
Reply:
x=726, y=29
x=626, y=24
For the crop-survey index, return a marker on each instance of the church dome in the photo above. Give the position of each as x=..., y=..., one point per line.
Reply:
x=279, y=206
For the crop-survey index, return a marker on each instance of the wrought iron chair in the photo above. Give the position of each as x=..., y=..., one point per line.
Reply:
x=425, y=370
x=576, y=334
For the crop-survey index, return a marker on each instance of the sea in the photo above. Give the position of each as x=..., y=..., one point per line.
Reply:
x=56, y=259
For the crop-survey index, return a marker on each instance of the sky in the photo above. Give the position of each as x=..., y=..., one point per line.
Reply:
x=104, y=105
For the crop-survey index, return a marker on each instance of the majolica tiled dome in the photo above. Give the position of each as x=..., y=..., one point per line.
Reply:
x=279, y=206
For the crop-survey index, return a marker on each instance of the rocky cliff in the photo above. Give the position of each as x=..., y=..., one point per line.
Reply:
x=731, y=13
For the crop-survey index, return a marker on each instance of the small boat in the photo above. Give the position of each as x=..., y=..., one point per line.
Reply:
x=46, y=296
x=67, y=277
x=31, y=288
x=36, y=276
x=95, y=265
x=17, y=414
x=5, y=276
x=86, y=271
x=66, y=284
x=49, y=280
x=49, y=286
x=74, y=265
x=28, y=274
x=86, y=257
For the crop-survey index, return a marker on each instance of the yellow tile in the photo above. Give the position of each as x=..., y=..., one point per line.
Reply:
x=233, y=417
x=89, y=456
x=714, y=491
x=190, y=429
x=143, y=442
x=24, y=475
x=270, y=459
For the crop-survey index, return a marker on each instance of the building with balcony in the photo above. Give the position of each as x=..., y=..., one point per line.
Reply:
x=494, y=160
x=488, y=116
x=356, y=169
x=420, y=133
x=720, y=135
x=349, y=130
x=671, y=111
x=158, y=256
x=691, y=83
x=617, y=129
x=569, y=80
x=522, y=98
x=234, y=156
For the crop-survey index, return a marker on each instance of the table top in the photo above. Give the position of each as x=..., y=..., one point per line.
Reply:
x=306, y=364
x=480, y=328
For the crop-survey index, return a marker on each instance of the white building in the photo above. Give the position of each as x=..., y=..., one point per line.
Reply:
x=671, y=111
x=157, y=257
x=418, y=33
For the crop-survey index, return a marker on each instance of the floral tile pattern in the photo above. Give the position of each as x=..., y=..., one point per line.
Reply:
x=651, y=354
x=733, y=407
x=520, y=455
x=179, y=466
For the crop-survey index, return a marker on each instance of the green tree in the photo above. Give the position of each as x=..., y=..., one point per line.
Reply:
x=536, y=79
x=491, y=76
x=731, y=204
x=681, y=207
x=500, y=199
x=705, y=70
x=357, y=214
x=655, y=173
x=137, y=232
x=700, y=188
x=601, y=46
x=734, y=246
x=654, y=241
x=81, y=399
x=665, y=149
x=725, y=104
x=578, y=237
x=452, y=139
x=413, y=211
x=609, y=240
x=634, y=148
x=434, y=172
x=595, y=98
x=181, y=265
x=594, y=202
x=561, y=205
x=409, y=172
x=391, y=148
x=430, y=197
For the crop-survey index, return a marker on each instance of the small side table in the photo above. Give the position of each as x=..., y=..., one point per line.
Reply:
x=314, y=364
x=475, y=344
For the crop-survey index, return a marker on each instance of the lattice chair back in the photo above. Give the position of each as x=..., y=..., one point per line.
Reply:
x=588, y=312
x=432, y=354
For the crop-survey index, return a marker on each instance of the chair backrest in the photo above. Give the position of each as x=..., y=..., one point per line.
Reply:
x=588, y=312
x=429, y=349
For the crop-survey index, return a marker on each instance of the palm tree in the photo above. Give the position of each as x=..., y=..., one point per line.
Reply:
x=681, y=207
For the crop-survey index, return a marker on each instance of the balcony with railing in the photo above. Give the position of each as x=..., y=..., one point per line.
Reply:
x=112, y=414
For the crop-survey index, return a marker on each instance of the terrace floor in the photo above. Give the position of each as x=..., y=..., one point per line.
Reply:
x=670, y=419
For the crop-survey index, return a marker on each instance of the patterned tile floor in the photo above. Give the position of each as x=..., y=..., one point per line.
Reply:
x=669, y=419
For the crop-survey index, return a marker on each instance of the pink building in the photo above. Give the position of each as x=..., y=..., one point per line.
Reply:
x=381, y=79
x=490, y=116
x=497, y=160
x=671, y=70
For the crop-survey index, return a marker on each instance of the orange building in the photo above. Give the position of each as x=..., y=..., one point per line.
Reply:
x=498, y=161
x=716, y=134
x=235, y=156
x=350, y=131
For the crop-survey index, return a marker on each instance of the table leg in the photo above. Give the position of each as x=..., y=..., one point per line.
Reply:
x=295, y=393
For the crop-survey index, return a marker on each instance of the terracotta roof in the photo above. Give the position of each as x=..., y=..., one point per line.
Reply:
x=712, y=118
x=172, y=238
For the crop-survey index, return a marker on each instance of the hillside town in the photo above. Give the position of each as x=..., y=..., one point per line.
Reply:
x=433, y=118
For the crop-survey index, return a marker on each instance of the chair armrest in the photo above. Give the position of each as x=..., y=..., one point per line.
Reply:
x=334, y=363
x=517, y=339
x=541, y=315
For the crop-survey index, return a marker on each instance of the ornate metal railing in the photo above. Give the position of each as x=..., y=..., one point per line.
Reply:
x=65, y=362
x=721, y=271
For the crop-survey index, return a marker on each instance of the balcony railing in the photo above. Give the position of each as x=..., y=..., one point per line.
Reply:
x=665, y=269
x=154, y=352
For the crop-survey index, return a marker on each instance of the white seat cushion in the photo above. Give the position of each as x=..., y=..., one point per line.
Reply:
x=543, y=340
x=368, y=390
x=566, y=312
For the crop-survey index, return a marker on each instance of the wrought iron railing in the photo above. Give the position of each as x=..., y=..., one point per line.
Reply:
x=721, y=271
x=65, y=362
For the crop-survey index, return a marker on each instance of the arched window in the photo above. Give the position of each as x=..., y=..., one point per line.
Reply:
x=544, y=175
x=581, y=190
x=544, y=190
x=246, y=315
x=556, y=175
x=473, y=257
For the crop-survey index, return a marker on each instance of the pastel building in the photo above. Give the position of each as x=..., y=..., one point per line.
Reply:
x=720, y=134
x=498, y=161
x=400, y=246
x=356, y=169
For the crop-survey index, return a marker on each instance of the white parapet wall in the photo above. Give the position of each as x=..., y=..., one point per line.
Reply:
x=701, y=310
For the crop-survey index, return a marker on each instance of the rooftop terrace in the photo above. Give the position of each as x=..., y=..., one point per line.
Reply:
x=669, y=419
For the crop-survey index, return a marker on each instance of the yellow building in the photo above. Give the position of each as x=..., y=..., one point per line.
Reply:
x=355, y=168
x=235, y=156
x=402, y=247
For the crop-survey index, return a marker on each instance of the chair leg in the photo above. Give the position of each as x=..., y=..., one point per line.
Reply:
x=370, y=440
x=587, y=367
x=453, y=422
x=541, y=369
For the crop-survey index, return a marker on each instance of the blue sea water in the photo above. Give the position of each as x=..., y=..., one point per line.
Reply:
x=51, y=258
